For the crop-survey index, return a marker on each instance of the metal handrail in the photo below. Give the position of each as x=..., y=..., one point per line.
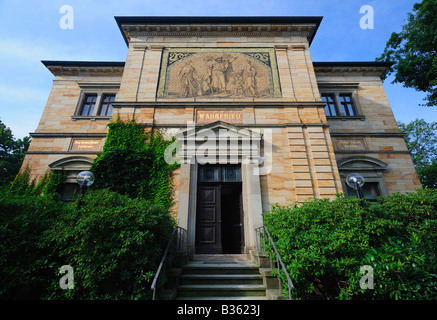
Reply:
x=180, y=244
x=260, y=232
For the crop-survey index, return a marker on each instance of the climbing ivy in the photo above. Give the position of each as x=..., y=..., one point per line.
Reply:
x=132, y=163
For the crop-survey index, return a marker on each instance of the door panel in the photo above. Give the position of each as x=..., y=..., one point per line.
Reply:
x=208, y=220
x=232, y=226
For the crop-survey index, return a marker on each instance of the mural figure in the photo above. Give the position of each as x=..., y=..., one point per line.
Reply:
x=250, y=89
x=220, y=70
x=189, y=83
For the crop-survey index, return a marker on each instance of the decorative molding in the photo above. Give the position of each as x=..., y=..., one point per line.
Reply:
x=92, y=118
x=369, y=134
x=200, y=103
x=344, y=118
x=338, y=85
x=63, y=152
x=371, y=151
x=363, y=162
x=67, y=135
x=99, y=85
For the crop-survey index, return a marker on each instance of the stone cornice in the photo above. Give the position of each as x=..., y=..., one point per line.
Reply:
x=134, y=27
x=217, y=104
x=75, y=67
x=353, y=66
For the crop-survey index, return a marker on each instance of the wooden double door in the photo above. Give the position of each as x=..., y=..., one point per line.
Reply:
x=219, y=212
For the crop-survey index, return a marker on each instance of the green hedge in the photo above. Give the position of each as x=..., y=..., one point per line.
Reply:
x=113, y=243
x=325, y=243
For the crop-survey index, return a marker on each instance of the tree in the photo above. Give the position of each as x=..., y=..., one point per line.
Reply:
x=414, y=51
x=421, y=140
x=12, y=152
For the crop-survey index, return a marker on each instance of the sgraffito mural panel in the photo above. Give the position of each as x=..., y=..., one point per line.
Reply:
x=219, y=73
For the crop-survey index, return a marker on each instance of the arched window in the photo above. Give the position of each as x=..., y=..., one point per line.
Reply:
x=371, y=169
x=71, y=166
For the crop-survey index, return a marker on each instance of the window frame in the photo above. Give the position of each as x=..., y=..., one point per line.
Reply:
x=328, y=104
x=107, y=103
x=92, y=103
x=220, y=176
x=338, y=89
x=344, y=104
x=99, y=89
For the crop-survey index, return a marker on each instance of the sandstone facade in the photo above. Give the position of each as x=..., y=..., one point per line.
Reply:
x=259, y=69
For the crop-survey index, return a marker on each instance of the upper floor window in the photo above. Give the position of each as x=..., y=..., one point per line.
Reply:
x=89, y=103
x=347, y=105
x=341, y=100
x=106, y=105
x=339, y=104
x=95, y=101
x=330, y=108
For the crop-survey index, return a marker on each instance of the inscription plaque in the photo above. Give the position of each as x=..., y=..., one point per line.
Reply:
x=85, y=145
x=208, y=116
x=350, y=144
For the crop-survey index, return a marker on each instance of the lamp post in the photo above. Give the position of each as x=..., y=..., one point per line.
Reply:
x=84, y=179
x=356, y=181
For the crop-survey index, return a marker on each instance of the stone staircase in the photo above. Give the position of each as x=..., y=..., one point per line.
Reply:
x=227, y=277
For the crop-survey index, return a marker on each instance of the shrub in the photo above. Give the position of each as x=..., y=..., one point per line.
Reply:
x=25, y=267
x=324, y=243
x=113, y=243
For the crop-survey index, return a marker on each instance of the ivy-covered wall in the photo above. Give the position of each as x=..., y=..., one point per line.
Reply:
x=132, y=163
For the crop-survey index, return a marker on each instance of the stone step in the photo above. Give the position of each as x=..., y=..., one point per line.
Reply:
x=220, y=257
x=197, y=290
x=220, y=279
x=226, y=267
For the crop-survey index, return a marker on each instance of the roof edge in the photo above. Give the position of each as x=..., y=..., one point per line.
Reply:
x=59, y=63
x=216, y=20
x=346, y=64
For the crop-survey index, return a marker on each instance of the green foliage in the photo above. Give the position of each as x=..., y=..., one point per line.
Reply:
x=25, y=268
x=113, y=243
x=414, y=51
x=421, y=140
x=12, y=153
x=48, y=185
x=324, y=244
x=428, y=175
x=132, y=163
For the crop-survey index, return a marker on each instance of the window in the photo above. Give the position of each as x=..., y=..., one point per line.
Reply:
x=106, y=107
x=370, y=190
x=341, y=100
x=88, y=104
x=339, y=104
x=371, y=169
x=96, y=100
x=330, y=108
x=347, y=104
x=222, y=173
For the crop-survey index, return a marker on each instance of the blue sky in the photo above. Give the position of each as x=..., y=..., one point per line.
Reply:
x=30, y=32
